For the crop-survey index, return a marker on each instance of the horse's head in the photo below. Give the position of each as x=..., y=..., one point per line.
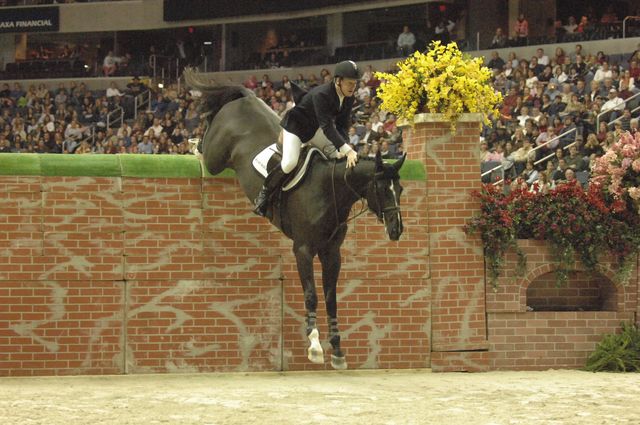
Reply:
x=383, y=196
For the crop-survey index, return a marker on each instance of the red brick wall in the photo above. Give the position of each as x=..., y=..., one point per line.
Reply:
x=522, y=338
x=456, y=263
x=128, y=275
x=131, y=275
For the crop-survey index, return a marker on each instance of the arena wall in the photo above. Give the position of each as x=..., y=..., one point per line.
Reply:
x=104, y=271
x=114, y=264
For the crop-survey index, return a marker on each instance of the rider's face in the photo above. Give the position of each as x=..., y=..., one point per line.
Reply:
x=347, y=86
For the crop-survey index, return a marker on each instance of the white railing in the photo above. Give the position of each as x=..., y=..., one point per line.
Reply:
x=141, y=102
x=624, y=24
x=573, y=130
x=117, y=115
x=91, y=138
x=165, y=69
x=612, y=109
x=498, y=167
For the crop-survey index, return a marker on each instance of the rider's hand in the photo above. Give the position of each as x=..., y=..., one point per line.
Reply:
x=352, y=158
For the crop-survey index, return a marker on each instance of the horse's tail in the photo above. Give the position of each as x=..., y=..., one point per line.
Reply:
x=213, y=97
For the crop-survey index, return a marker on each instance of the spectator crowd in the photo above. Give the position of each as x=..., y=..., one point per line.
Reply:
x=559, y=111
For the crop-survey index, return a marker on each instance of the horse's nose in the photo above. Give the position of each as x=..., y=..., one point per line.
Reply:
x=395, y=231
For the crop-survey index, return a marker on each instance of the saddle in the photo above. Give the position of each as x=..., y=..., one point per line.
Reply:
x=271, y=156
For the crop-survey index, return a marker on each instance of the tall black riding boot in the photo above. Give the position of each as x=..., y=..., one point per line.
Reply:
x=273, y=181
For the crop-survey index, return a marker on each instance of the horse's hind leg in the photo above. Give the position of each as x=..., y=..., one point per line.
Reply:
x=304, y=260
x=331, y=261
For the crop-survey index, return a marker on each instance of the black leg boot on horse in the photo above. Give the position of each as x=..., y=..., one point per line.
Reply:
x=274, y=180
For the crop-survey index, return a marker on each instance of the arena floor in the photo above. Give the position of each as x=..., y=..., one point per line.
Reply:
x=351, y=397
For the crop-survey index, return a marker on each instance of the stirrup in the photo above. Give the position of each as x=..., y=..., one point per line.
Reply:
x=261, y=203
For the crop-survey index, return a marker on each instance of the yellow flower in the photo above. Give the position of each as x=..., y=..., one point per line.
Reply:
x=444, y=81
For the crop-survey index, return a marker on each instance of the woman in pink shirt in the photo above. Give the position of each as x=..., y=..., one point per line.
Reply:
x=521, y=30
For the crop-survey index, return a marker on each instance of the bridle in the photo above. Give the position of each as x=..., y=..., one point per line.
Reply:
x=380, y=212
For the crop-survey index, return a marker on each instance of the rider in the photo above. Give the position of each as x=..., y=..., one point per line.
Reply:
x=328, y=107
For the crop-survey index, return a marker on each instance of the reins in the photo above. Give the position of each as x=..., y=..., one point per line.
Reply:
x=335, y=200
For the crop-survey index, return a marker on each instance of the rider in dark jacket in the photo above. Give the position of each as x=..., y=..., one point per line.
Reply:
x=328, y=107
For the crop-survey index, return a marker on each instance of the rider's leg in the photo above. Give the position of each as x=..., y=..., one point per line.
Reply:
x=320, y=141
x=290, y=152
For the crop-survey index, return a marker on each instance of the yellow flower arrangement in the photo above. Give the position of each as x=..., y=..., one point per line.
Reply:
x=442, y=80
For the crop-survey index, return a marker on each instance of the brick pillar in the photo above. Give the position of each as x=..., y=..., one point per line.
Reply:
x=456, y=261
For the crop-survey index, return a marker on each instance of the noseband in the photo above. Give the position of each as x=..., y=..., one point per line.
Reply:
x=380, y=210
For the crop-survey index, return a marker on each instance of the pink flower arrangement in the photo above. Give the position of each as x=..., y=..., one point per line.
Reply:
x=617, y=172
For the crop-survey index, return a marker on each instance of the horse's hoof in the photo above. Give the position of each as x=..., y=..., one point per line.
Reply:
x=314, y=352
x=338, y=363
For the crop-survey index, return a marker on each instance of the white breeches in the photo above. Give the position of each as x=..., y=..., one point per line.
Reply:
x=291, y=145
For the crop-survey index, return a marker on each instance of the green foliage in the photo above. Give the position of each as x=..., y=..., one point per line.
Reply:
x=577, y=224
x=617, y=352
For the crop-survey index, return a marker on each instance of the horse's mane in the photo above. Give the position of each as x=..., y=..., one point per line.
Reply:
x=213, y=97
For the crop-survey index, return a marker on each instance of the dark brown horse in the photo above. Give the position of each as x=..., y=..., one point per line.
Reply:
x=313, y=214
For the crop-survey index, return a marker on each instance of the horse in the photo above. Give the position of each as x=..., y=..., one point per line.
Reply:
x=314, y=214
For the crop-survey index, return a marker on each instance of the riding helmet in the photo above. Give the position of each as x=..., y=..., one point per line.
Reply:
x=347, y=69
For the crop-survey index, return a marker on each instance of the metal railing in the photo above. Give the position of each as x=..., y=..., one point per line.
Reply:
x=498, y=167
x=165, y=68
x=624, y=24
x=117, y=115
x=573, y=130
x=91, y=138
x=141, y=102
x=613, y=109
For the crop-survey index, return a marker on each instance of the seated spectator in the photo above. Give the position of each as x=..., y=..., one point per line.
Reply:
x=110, y=64
x=592, y=147
x=385, y=152
x=136, y=87
x=556, y=107
x=496, y=155
x=559, y=171
x=523, y=155
x=496, y=61
x=499, y=40
x=406, y=41
x=369, y=135
x=363, y=91
x=602, y=72
x=614, y=105
x=443, y=30
x=154, y=130
x=571, y=26
x=542, y=184
x=484, y=151
x=146, y=145
x=542, y=58
x=529, y=174
x=112, y=91
x=575, y=161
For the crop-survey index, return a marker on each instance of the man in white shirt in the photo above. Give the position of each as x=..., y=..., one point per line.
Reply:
x=406, y=41
x=603, y=72
x=542, y=58
x=615, y=104
x=156, y=127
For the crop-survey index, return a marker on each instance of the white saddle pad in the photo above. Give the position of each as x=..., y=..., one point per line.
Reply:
x=262, y=159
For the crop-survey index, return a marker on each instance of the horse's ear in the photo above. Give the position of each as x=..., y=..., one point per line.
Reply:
x=379, y=166
x=398, y=164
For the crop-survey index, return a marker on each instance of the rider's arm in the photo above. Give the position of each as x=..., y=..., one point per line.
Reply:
x=324, y=108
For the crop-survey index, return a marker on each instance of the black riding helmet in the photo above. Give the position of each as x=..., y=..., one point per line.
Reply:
x=347, y=69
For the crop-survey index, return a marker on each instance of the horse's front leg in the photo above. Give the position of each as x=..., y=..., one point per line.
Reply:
x=331, y=262
x=304, y=260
